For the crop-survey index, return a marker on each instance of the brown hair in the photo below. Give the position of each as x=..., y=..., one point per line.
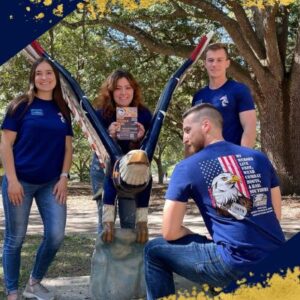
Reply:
x=205, y=110
x=105, y=99
x=32, y=91
x=217, y=46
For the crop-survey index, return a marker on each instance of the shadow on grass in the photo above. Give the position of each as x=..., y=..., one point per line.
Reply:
x=73, y=258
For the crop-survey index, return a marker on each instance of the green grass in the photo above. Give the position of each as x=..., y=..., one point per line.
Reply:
x=73, y=258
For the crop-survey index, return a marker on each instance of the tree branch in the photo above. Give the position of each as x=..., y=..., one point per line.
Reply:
x=258, y=24
x=235, y=31
x=142, y=36
x=240, y=74
x=271, y=43
x=249, y=33
x=295, y=69
x=282, y=34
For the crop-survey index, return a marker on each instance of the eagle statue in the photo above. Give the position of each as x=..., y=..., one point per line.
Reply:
x=130, y=172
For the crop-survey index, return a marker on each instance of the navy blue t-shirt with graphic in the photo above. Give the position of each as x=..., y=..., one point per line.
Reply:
x=230, y=99
x=231, y=186
x=39, y=148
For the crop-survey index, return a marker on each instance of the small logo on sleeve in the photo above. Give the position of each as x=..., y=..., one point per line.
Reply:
x=62, y=117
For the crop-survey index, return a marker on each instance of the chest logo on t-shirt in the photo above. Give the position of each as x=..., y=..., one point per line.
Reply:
x=62, y=117
x=224, y=101
x=36, y=112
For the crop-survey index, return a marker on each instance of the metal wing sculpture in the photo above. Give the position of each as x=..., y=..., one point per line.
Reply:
x=136, y=161
x=131, y=172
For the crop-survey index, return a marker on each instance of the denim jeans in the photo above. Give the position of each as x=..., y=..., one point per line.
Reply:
x=53, y=216
x=97, y=176
x=126, y=206
x=193, y=257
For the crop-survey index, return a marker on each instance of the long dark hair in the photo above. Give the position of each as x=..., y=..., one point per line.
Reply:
x=32, y=91
x=105, y=100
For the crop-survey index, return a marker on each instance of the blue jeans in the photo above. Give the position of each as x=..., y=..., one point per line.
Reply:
x=193, y=257
x=97, y=175
x=127, y=207
x=16, y=221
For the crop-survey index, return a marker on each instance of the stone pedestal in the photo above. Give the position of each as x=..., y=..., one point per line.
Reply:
x=117, y=270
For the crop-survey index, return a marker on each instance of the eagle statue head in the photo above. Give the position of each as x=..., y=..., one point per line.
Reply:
x=131, y=173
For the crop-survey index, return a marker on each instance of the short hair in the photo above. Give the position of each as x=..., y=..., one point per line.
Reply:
x=205, y=110
x=215, y=47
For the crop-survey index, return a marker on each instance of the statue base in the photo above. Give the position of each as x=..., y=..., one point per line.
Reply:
x=117, y=270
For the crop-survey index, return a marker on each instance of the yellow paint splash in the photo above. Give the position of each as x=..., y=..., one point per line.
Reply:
x=47, y=2
x=262, y=4
x=102, y=5
x=278, y=288
x=41, y=15
x=28, y=8
x=80, y=6
x=59, y=10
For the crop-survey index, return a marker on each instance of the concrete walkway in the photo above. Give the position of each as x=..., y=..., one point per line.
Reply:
x=82, y=219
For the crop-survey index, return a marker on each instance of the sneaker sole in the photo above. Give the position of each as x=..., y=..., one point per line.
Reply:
x=30, y=296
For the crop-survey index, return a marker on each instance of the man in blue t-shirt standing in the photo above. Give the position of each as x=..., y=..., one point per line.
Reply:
x=233, y=99
x=237, y=192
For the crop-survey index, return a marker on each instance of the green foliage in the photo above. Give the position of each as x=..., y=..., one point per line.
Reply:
x=91, y=53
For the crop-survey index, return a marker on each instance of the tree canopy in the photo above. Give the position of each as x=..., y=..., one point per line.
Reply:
x=264, y=40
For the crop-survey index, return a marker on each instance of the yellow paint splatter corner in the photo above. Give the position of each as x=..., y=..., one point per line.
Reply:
x=276, y=287
x=47, y=2
x=59, y=10
x=262, y=4
x=28, y=8
x=105, y=5
x=39, y=16
x=80, y=6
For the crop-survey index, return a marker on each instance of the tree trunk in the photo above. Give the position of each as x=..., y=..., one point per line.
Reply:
x=160, y=169
x=280, y=133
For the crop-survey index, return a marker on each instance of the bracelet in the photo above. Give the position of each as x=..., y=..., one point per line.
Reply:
x=64, y=174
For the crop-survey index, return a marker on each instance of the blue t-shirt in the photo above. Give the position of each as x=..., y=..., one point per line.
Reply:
x=231, y=187
x=230, y=99
x=39, y=148
x=144, y=117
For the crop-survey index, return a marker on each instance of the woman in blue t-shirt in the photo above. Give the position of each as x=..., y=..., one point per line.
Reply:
x=36, y=150
x=120, y=89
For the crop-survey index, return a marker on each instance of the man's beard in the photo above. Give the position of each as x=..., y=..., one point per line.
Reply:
x=191, y=149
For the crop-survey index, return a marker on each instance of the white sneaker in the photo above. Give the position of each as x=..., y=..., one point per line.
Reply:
x=38, y=291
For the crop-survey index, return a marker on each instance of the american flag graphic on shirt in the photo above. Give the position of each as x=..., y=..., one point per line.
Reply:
x=224, y=164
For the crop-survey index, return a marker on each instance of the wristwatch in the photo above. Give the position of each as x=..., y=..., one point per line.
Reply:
x=65, y=174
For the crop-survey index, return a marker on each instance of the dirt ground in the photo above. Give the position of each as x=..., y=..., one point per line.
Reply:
x=82, y=222
x=82, y=213
x=81, y=205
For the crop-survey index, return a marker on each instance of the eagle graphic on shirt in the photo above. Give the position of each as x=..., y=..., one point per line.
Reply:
x=227, y=186
x=229, y=200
